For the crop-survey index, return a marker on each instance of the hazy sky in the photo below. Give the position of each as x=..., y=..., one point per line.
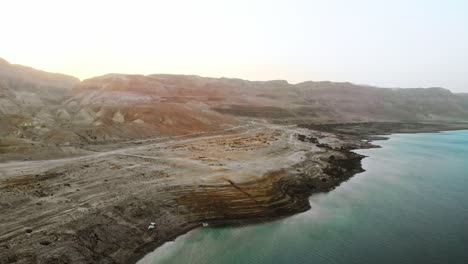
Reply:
x=397, y=43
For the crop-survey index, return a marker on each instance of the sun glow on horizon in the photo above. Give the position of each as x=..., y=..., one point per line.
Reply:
x=391, y=44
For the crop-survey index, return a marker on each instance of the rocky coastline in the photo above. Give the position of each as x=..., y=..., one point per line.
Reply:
x=97, y=209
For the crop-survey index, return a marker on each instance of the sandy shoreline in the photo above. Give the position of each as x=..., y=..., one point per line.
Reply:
x=97, y=209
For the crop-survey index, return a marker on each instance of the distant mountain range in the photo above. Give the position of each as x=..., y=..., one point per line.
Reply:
x=51, y=110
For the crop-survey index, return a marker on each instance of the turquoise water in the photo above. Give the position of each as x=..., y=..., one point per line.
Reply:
x=410, y=206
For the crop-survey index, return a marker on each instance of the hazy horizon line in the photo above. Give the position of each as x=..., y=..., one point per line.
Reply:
x=225, y=77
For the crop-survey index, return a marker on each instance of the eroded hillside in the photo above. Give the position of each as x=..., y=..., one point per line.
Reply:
x=50, y=115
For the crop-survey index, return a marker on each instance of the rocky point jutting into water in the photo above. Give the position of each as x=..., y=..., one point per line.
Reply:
x=107, y=169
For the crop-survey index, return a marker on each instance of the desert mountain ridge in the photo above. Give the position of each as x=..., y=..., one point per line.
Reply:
x=61, y=113
x=275, y=82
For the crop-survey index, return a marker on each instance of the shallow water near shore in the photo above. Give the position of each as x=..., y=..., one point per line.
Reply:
x=409, y=206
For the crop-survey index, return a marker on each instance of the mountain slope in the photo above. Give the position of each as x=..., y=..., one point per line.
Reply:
x=45, y=111
x=23, y=88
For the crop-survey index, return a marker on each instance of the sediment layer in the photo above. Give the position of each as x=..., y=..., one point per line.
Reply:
x=98, y=208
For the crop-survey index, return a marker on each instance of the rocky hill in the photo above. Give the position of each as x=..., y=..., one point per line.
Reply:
x=323, y=102
x=23, y=88
x=40, y=110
